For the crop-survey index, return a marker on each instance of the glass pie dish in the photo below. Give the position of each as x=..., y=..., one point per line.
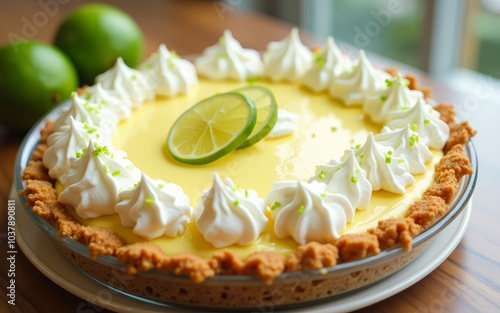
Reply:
x=237, y=292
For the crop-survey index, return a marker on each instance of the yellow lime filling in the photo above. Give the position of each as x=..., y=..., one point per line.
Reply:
x=325, y=129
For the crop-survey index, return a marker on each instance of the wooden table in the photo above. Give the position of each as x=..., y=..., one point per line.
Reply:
x=468, y=281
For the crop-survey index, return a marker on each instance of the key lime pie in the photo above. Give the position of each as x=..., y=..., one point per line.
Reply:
x=239, y=164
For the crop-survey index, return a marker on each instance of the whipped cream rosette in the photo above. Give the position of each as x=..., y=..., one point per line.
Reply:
x=354, y=87
x=406, y=144
x=87, y=112
x=383, y=169
x=308, y=212
x=109, y=99
x=92, y=184
x=288, y=59
x=154, y=208
x=131, y=84
x=329, y=63
x=65, y=145
x=424, y=120
x=286, y=124
x=346, y=178
x=230, y=215
x=228, y=59
x=168, y=74
x=396, y=97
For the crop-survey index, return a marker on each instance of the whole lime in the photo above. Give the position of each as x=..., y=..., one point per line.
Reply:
x=94, y=35
x=34, y=77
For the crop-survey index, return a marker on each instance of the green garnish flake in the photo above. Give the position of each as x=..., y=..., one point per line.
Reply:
x=322, y=175
x=252, y=80
x=133, y=77
x=388, y=160
x=129, y=167
x=389, y=82
x=405, y=107
x=236, y=202
x=149, y=200
x=236, y=188
x=338, y=169
x=383, y=98
x=100, y=150
x=401, y=161
x=357, y=170
x=413, y=139
x=362, y=156
x=407, y=83
x=414, y=127
x=360, y=163
x=318, y=58
x=246, y=194
x=91, y=109
x=323, y=194
x=275, y=205
x=354, y=179
x=87, y=95
x=358, y=146
x=313, y=135
x=333, y=128
x=137, y=184
x=426, y=121
x=80, y=154
x=161, y=185
x=389, y=152
x=106, y=168
x=116, y=173
x=301, y=209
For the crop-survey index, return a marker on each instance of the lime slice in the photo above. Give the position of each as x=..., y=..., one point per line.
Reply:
x=212, y=128
x=267, y=112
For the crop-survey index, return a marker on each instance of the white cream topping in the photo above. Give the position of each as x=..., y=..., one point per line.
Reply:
x=168, y=74
x=129, y=83
x=356, y=86
x=230, y=215
x=329, y=64
x=346, y=178
x=228, y=59
x=424, y=120
x=383, y=169
x=308, y=212
x=109, y=99
x=406, y=144
x=380, y=105
x=286, y=124
x=288, y=59
x=93, y=183
x=154, y=208
x=86, y=112
x=67, y=142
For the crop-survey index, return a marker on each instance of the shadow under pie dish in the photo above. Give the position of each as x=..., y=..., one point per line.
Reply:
x=312, y=271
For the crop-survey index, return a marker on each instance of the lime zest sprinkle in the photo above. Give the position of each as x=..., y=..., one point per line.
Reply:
x=338, y=169
x=362, y=156
x=275, y=205
x=161, y=185
x=389, y=82
x=354, y=179
x=313, y=135
x=106, y=168
x=100, y=150
x=357, y=170
x=333, y=128
x=383, y=98
x=133, y=77
x=80, y=154
x=414, y=127
x=407, y=83
x=136, y=184
x=116, y=173
x=129, y=167
x=405, y=107
x=246, y=194
x=388, y=160
x=358, y=146
x=149, y=200
x=401, y=161
x=389, y=152
x=413, y=139
x=91, y=109
x=318, y=58
x=426, y=121
x=322, y=175
x=361, y=163
x=323, y=194
x=236, y=188
x=301, y=209
x=252, y=80
x=236, y=202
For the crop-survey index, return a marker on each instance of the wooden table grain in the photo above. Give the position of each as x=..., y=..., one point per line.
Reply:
x=468, y=281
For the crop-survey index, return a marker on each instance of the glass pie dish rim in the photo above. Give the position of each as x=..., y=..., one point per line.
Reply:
x=466, y=188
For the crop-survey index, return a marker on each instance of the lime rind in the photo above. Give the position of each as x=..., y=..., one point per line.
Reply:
x=218, y=147
x=268, y=105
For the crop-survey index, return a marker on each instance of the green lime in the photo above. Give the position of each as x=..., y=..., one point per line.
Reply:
x=94, y=35
x=212, y=128
x=34, y=77
x=267, y=112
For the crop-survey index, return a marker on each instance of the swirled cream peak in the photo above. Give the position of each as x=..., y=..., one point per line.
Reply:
x=308, y=212
x=228, y=59
x=154, y=208
x=288, y=59
x=66, y=144
x=346, y=178
x=356, y=86
x=92, y=185
x=87, y=112
x=396, y=97
x=228, y=214
x=168, y=74
x=110, y=99
x=406, y=144
x=424, y=120
x=383, y=169
x=329, y=63
x=129, y=83
x=286, y=124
